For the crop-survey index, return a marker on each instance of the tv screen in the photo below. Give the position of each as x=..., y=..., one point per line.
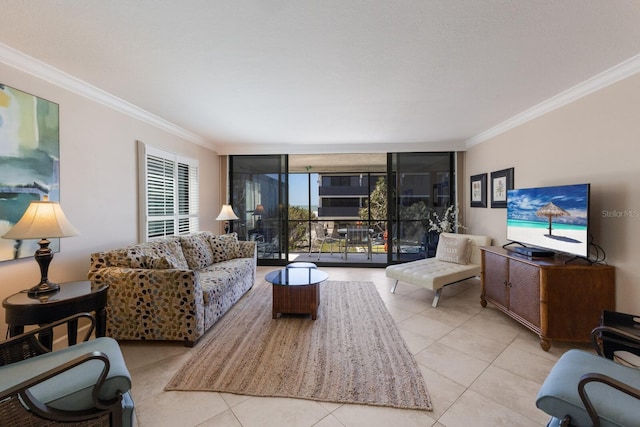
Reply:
x=554, y=218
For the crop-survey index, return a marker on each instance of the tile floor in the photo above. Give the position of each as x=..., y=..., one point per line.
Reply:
x=481, y=369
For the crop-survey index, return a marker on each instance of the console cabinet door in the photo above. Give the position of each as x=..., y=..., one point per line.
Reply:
x=524, y=291
x=496, y=270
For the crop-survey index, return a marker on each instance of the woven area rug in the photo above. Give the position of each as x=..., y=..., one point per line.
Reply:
x=353, y=352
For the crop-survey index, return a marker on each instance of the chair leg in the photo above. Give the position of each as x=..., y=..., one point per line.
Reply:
x=393, y=289
x=436, y=298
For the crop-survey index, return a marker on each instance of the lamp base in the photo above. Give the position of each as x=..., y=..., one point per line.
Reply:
x=42, y=288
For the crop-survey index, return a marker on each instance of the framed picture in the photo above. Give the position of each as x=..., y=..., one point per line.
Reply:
x=29, y=163
x=501, y=181
x=479, y=191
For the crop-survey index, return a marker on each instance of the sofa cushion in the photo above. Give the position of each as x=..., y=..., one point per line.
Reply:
x=225, y=247
x=453, y=249
x=197, y=250
x=221, y=278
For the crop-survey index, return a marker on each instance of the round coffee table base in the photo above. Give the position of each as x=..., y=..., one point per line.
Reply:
x=296, y=300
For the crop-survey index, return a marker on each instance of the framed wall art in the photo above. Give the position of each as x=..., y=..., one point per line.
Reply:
x=29, y=162
x=501, y=181
x=479, y=191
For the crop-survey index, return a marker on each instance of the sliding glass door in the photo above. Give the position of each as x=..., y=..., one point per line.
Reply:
x=258, y=195
x=421, y=184
x=302, y=207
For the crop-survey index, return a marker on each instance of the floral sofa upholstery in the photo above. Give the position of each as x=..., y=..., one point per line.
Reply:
x=173, y=288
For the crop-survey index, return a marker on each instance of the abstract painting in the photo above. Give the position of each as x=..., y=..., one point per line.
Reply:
x=29, y=162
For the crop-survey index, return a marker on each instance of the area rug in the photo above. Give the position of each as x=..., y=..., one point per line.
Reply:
x=353, y=352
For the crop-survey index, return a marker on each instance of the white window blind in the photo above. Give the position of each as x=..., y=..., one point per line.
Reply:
x=169, y=193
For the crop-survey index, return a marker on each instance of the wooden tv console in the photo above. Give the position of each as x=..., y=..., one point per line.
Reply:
x=557, y=301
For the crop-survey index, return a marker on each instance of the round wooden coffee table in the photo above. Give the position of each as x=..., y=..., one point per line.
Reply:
x=296, y=290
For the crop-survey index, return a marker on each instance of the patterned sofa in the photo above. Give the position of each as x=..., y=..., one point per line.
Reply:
x=173, y=288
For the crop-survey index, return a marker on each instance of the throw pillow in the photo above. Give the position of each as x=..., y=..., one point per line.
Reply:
x=197, y=251
x=172, y=252
x=225, y=247
x=453, y=249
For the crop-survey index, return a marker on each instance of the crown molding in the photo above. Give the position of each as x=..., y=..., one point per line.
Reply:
x=19, y=60
x=614, y=74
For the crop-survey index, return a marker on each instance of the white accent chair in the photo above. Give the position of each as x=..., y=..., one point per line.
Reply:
x=434, y=273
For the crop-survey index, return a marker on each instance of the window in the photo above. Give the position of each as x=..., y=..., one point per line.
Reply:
x=169, y=193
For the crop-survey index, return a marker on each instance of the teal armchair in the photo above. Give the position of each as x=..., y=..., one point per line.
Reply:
x=86, y=384
x=585, y=389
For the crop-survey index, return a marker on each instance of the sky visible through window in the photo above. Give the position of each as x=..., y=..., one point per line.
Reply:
x=298, y=190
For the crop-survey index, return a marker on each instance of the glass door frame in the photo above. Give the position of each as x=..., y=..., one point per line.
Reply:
x=281, y=223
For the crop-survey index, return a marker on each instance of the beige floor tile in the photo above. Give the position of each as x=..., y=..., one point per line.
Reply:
x=475, y=410
x=480, y=347
x=528, y=365
x=415, y=342
x=278, y=412
x=150, y=380
x=179, y=408
x=510, y=390
x=451, y=363
x=447, y=315
x=330, y=406
x=406, y=302
x=225, y=419
x=398, y=314
x=425, y=327
x=443, y=391
x=492, y=323
x=234, y=399
x=376, y=416
x=329, y=421
x=141, y=353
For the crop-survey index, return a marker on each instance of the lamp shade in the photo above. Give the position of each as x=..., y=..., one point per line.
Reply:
x=226, y=214
x=42, y=219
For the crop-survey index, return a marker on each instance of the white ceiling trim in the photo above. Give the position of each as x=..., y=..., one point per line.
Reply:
x=41, y=70
x=619, y=72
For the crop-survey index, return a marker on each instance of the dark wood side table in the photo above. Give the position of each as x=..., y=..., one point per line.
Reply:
x=72, y=298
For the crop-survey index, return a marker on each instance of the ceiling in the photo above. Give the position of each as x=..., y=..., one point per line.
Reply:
x=303, y=76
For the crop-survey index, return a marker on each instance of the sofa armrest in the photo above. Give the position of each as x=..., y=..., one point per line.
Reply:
x=158, y=304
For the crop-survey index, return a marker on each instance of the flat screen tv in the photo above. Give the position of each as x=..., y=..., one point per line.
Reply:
x=553, y=218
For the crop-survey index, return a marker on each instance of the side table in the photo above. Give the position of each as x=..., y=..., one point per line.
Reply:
x=72, y=298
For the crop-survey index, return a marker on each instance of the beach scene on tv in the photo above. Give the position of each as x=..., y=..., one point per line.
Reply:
x=553, y=218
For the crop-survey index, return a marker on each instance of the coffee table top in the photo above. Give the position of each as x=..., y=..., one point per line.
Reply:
x=302, y=276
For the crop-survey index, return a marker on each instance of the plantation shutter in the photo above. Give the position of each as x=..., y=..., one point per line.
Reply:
x=170, y=190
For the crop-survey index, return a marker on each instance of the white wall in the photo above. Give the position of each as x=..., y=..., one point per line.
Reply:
x=98, y=181
x=594, y=139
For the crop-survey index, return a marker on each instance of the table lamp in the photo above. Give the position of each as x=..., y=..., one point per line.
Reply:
x=42, y=220
x=226, y=214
